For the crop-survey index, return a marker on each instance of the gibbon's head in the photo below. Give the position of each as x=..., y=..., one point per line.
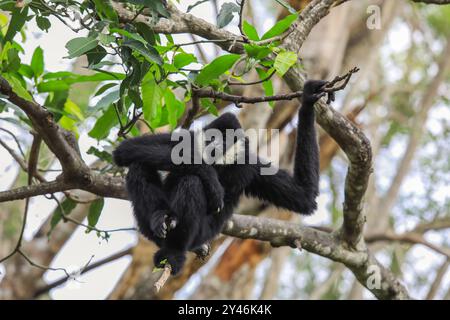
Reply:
x=221, y=146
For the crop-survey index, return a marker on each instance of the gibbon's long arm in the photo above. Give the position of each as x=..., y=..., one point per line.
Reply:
x=298, y=192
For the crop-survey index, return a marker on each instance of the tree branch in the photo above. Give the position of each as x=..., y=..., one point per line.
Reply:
x=345, y=246
x=180, y=22
x=441, y=2
x=408, y=237
x=328, y=245
x=88, y=268
x=36, y=190
x=43, y=123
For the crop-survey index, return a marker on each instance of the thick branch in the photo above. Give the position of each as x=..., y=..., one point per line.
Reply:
x=328, y=245
x=52, y=134
x=180, y=22
x=35, y=190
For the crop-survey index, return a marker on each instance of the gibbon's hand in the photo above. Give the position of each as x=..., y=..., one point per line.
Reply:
x=161, y=223
x=313, y=90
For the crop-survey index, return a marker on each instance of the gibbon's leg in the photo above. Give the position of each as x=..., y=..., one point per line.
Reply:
x=297, y=193
x=188, y=205
x=149, y=200
x=212, y=187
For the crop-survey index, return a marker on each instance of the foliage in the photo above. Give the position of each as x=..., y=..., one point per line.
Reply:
x=136, y=69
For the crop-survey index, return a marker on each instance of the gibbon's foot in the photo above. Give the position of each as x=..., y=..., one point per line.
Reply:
x=176, y=260
x=161, y=222
x=203, y=251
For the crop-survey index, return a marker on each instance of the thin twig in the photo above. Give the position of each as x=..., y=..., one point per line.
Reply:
x=66, y=217
x=193, y=111
x=86, y=269
x=164, y=276
x=241, y=20
x=14, y=154
x=268, y=77
x=330, y=85
x=16, y=140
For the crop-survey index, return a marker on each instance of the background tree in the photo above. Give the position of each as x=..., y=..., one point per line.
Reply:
x=136, y=67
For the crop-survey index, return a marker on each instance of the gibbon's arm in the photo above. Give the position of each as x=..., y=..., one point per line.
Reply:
x=152, y=150
x=156, y=150
x=297, y=193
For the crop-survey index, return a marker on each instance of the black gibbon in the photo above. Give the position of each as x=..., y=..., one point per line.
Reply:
x=189, y=207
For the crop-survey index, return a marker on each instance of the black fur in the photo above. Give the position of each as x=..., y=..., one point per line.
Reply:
x=180, y=214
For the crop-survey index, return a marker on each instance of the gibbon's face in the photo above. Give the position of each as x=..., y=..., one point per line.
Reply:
x=222, y=149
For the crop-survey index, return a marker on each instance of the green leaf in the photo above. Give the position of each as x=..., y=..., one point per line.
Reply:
x=13, y=64
x=151, y=97
x=155, y=5
x=69, y=124
x=148, y=52
x=96, y=55
x=174, y=108
x=267, y=85
x=257, y=52
x=104, y=124
x=226, y=14
x=64, y=208
x=106, y=101
x=284, y=61
x=52, y=85
x=95, y=211
x=67, y=78
x=103, y=155
x=18, y=19
x=183, y=59
x=104, y=9
x=17, y=87
x=106, y=39
x=216, y=68
x=37, y=62
x=43, y=23
x=250, y=31
x=26, y=71
x=146, y=32
x=135, y=97
x=209, y=106
x=79, y=46
x=280, y=27
x=71, y=108
x=125, y=33
x=104, y=88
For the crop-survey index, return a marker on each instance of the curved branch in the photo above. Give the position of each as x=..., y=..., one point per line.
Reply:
x=52, y=134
